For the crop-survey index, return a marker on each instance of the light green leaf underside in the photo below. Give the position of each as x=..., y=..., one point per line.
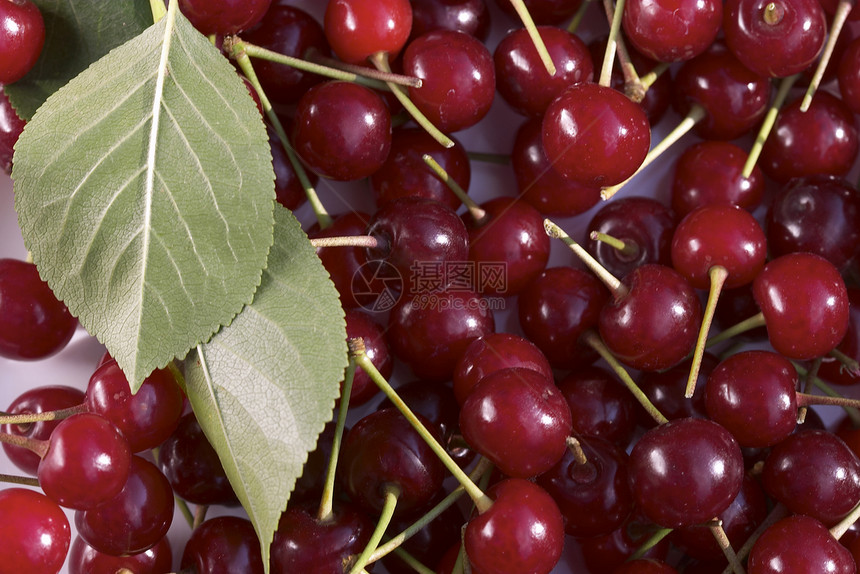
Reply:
x=150, y=271
x=77, y=33
x=264, y=386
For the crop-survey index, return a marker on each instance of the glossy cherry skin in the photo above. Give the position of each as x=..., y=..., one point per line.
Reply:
x=23, y=38
x=361, y=324
x=522, y=79
x=35, y=532
x=223, y=16
x=818, y=214
x=522, y=531
x=600, y=553
x=822, y=140
x=799, y=544
x=459, y=81
x=37, y=400
x=518, y=420
x=805, y=305
x=303, y=543
x=540, y=185
x=723, y=235
x=654, y=325
x=600, y=406
x=831, y=369
x=33, y=323
x=752, y=394
x=556, y=308
x=813, y=472
x=135, y=519
x=848, y=75
x=469, y=16
x=685, y=472
x=645, y=224
x=430, y=331
x=494, y=352
x=222, y=545
x=291, y=31
x=734, y=98
x=84, y=559
x=645, y=566
x=594, y=498
x=595, y=135
x=405, y=173
x=356, y=29
x=710, y=172
x=672, y=30
x=342, y=130
x=775, y=39
x=11, y=127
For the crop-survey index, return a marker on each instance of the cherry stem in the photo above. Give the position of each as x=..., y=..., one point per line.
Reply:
x=528, y=22
x=361, y=71
x=158, y=10
x=244, y=62
x=696, y=114
x=608, y=279
x=28, y=418
x=723, y=542
x=749, y=324
x=478, y=214
x=22, y=480
x=839, y=18
x=380, y=61
x=413, y=562
x=807, y=400
x=575, y=448
x=486, y=157
x=718, y=275
x=629, y=248
x=593, y=340
x=634, y=88
x=577, y=18
x=612, y=41
x=199, y=515
x=357, y=350
x=851, y=412
x=347, y=241
x=391, y=492
x=652, y=76
x=40, y=447
x=778, y=512
x=841, y=527
x=184, y=510
x=650, y=543
x=327, y=499
x=768, y=123
x=773, y=13
x=847, y=362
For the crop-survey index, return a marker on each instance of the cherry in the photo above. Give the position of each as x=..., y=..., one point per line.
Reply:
x=543, y=12
x=223, y=17
x=601, y=553
x=34, y=530
x=429, y=543
x=831, y=369
x=822, y=140
x=135, y=519
x=711, y=172
x=23, y=36
x=342, y=130
x=357, y=30
x=600, y=405
x=672, y=31
x=848, y=75
x=84, y=559
x=222, y=545
x=595, y=135
x=518, y=420
x=469, y=16
x=665, y=390
x=290, y=31
x=775, y=38
x=42, y=399
x=523, y=531
x=33, y=323
x=522, y=78
x=645, y=566
x=458, y=78
x=804, y=303
x=404, y=173
x=360, y=324
x=813, y=472
x=540, y=185
x=685, y=472
x=11, y=127
x=288, y=187
x=801, y=543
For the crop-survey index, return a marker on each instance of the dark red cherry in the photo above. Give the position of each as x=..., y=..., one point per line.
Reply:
x=821, y=140
x=361, y=324
x=23, y=34
x=459, y=81
x=848, y=74
x=357, y=29
x=84, y=559
x=802, y=542
x=288, y=188
x=429, y=543
x=543, y=12
x=775, y=38
x=711, y=172
x=223, y=17
x=831, y=369
x=222, y=545
x=34, y=530
x=522, y=78
x=595, y=135
x=685, y=472
x=805, y=305
x=645, y=566
x=11, y=127
x=600, y=553
x=33, y=323
x=469, y=16
x=342, y=130
x=665, y=390
x=672, y=31
x=600, y=405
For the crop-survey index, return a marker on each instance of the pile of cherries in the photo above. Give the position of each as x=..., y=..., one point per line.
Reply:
x=577, y=405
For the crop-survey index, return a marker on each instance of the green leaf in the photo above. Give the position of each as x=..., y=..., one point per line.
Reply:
x=264, y=386
x=145, y=192
x=77, y=33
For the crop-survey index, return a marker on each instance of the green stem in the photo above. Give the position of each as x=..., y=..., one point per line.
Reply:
x=478, y=215
x=605, y=78
x=846, y=361
x=843, y=8
x=158, y=10
x=723, y=542
x=577, y=18
x=392, y=492
x=777, y=513
x=199, y=515
x=363, y=72
x=186, y=512
x=40, y=447
x=486, y=157
x=652, y=541
x=629, y=248
x=481, y=500
x=718, y=275
x=28, y=418
x=852, y=412
x=22, y=480
x=841, y=527
x=611, y=282
x=327, y=499
x=534, y=34
x=767, y=124
x=753, y=322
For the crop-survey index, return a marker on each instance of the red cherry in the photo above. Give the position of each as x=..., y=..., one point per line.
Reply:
x=357, y=29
